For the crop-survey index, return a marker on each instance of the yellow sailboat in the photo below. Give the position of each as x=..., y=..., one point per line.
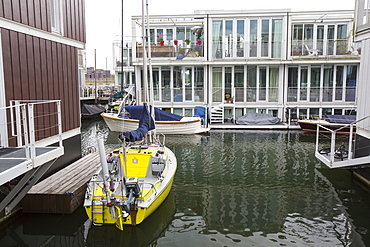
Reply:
x=134, y=180
x=131, y=185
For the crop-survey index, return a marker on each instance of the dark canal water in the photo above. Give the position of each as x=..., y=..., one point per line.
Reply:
x=232, y=188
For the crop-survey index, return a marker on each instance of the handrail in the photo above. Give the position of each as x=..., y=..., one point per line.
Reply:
x=331, y=159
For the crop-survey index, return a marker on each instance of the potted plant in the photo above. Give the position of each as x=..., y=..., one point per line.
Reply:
x=175, y=42
x=187, y=42
x=161, y=42
x=227, y=98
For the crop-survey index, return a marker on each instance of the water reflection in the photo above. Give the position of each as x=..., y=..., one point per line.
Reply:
x=232, y=188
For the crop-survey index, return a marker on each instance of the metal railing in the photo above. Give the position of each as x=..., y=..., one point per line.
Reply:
x=335, y=155
x=29, y=122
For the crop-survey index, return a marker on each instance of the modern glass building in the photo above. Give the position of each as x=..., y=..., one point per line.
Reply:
x=235, y=62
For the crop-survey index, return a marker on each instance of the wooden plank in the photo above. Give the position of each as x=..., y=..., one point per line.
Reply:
x=23, y=66
x=31, y=13
x=37, y=10
x=16, y=11
x=65, y=180
x=24, y=12
x=64, y=191
x=44, y=15
x=7, y=8
x=6, y=38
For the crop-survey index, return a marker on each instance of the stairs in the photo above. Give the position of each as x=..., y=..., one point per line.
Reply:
x=217, y=114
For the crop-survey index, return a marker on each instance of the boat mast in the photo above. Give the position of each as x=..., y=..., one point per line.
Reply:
x=145, y=70
x=151, y=92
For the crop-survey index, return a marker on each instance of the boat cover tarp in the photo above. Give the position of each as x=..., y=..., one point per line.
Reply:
x=146, y=124
x=200, y=111
x=160, y=115
x=257, y=119
x=90, y=110
x=342, y=119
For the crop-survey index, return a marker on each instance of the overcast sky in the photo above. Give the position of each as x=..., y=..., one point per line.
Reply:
x=103, y=18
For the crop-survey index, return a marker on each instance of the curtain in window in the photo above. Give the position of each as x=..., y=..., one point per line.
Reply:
x=273, y=84
x=217, y=84
x=277, y=26
x=217, y=37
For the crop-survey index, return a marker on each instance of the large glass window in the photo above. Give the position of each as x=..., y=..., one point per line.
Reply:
x=351, y=83
x=308, y=38
x=326, y=40
x=228, y=38
x=262, y=83
x=253, y=38
x=277, y=35
x=217, y=39
x=273, y=84
x=315, y=84
x=303, y=86
x=320, y=40
x=228, y=84
x=339, y=82
x=166, y=83
x=265, y=37
x=342, y=45
x=292, y=83
x=239, y=83
x=251, y=83
x=177, y=84
x=198, y=84
x=217, y=84
x=156, y=83
x=328, y=83
x=56, y=16
x=330, y=47
x=188, y=77
x=240, y=38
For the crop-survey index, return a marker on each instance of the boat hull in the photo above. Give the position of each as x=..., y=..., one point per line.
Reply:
x=310, y=126
x=141, y=214
x=185, y=127
x=152, y=166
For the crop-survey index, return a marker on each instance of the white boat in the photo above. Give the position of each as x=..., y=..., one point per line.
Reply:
x=165, y=122
x=135, y=179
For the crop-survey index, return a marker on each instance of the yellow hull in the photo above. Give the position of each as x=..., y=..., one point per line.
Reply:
x=140, y=216
x=141, y=177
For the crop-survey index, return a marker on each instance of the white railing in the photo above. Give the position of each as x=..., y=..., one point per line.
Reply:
x=25, y=122
x=336, y=156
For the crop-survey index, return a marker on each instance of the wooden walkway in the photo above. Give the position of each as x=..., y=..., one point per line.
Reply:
x=64, y=191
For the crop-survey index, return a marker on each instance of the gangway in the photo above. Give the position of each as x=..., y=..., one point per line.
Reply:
x=340, y=153
x=22, y=125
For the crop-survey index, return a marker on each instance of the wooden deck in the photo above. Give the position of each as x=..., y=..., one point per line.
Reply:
x=63, y=192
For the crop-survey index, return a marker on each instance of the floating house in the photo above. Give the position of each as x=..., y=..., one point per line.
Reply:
x=40, y=67
x=284, y=63
x=357, y=145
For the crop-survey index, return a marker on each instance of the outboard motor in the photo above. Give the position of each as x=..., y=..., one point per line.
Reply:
x=132, y=192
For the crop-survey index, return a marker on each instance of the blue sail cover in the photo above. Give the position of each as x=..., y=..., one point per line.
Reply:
x=137, y=110
x=146, y=124
x=342, y=119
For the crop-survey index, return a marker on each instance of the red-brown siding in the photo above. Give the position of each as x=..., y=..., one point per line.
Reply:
x=37, y=69
x=36, y=13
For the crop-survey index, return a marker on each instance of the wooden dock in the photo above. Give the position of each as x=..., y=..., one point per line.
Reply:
x=64, y=191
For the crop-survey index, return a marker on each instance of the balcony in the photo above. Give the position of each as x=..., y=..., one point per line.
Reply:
x=161, y=51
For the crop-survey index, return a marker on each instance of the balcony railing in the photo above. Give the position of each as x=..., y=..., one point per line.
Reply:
x=172, y=50
x=323, y=48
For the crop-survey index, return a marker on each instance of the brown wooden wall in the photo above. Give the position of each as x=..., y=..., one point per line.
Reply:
x=36, y=13
x=39, y=69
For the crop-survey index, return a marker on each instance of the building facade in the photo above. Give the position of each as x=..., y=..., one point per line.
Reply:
x=251, y=61
x=41, y=60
